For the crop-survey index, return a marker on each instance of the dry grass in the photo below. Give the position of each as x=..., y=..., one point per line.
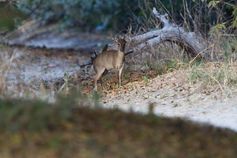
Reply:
x=142, y=65
x=220, y=73
x=14, y=82
x=6, y=59
x=221, y=69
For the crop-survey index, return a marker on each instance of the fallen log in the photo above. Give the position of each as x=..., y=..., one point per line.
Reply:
x=192, y=42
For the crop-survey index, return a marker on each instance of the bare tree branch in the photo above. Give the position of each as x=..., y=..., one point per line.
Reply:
x=194, y=43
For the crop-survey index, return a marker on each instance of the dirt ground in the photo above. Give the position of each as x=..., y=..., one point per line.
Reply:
x=42, y=75
x=174, y=96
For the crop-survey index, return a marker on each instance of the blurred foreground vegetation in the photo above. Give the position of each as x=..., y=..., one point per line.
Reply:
x=76, y=126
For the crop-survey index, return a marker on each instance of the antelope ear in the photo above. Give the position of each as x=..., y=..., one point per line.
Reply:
x=120, y=37
x=105, y=48
x=123, y=38
x=115, y=39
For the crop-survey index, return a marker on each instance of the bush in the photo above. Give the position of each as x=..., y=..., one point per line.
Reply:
x=9, y=17
x=120, y=14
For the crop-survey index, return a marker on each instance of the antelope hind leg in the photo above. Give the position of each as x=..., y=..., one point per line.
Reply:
x=97, y=77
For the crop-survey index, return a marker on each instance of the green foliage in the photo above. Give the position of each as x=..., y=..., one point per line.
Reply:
x=145, y=79
x=213, y=3
x=226, y=14
x=9, y=17
x=234, y=23
x=81, y=13
x=120, y=14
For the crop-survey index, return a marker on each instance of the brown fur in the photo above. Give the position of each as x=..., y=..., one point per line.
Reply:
x=109, y=59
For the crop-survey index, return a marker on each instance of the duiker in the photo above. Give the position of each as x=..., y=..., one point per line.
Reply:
x=110, y=59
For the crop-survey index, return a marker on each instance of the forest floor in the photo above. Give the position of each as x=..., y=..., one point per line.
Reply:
x=43, y=74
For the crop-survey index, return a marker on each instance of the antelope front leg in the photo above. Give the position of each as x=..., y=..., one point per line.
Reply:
x=120, y=75
x=95, y=85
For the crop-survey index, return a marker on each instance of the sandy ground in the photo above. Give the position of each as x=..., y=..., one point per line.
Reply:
x=172, y=95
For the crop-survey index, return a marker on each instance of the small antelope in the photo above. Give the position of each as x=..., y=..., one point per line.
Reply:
x=110, y=59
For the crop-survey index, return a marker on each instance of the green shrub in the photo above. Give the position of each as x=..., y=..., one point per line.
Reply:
x=9, y=17
x=120, y=14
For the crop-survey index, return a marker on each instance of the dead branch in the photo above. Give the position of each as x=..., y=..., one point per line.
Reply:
x=192, y=42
